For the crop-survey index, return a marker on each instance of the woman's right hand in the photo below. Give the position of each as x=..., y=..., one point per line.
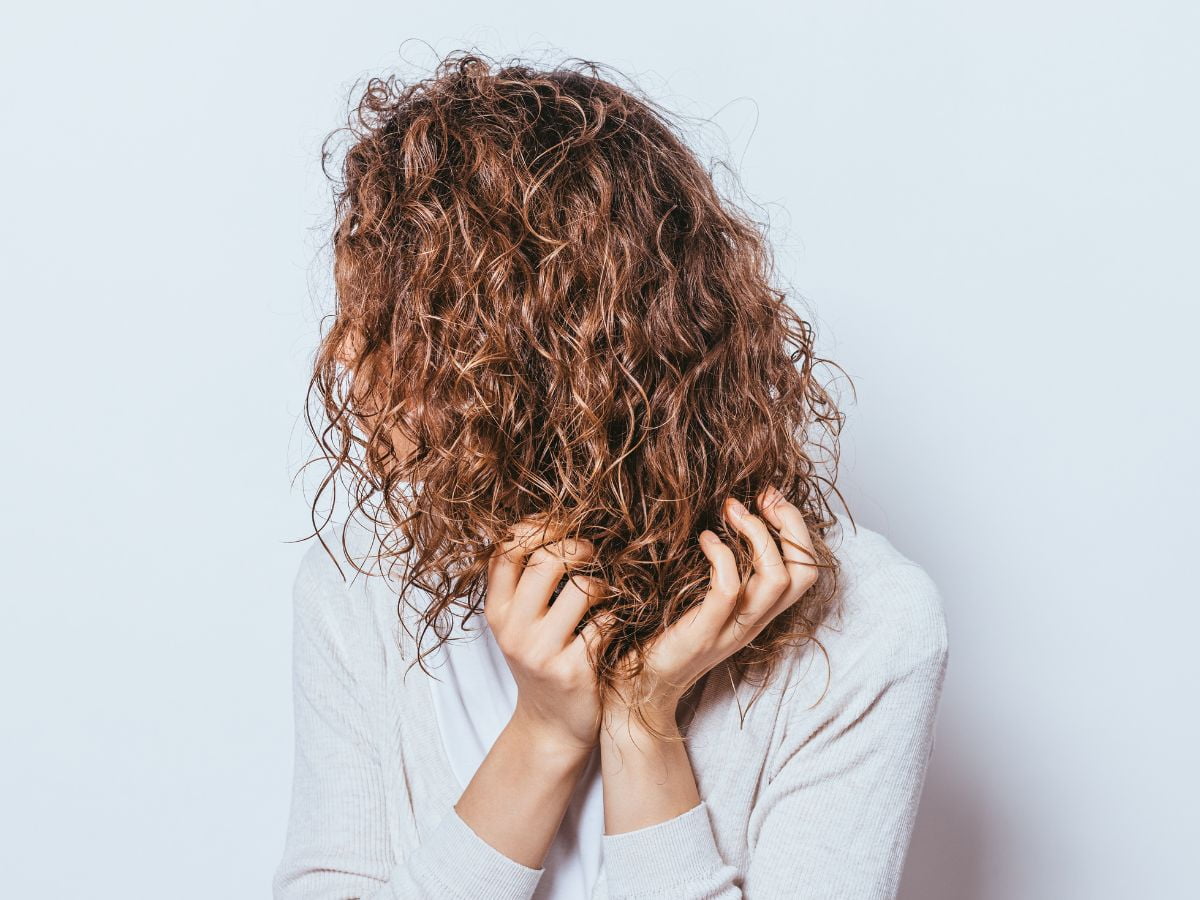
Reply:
x=557, y=696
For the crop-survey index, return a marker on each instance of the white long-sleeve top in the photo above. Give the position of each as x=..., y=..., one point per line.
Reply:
x=804, y=799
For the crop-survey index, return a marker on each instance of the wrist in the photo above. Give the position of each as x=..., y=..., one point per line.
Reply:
x=657, y=723
x=550, y=744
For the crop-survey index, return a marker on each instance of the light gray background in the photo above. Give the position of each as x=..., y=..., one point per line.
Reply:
x=991, y=209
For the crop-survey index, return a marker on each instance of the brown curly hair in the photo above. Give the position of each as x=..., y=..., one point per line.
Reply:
x=542, y=289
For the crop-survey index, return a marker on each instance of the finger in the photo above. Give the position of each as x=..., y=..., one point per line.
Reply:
x=579, y=595
x=589, y=635
x=793, y=529
x=770, y=579
x=507, y=564
x=725, y=586
x=544, y=569
x=504, y=571
x=799, y=552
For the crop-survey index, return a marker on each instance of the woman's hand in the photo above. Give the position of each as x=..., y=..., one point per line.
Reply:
x=728, y=618
x=647, y=774
x=517, y=797
x=557, y=698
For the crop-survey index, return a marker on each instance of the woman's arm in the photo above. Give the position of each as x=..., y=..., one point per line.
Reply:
x=521, y=790
x=648, y=780
x=490, y=845
x=338, y=832
x=836, y=816
x=648, y=777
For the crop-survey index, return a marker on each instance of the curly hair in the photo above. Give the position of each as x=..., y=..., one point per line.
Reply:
x=541, y=288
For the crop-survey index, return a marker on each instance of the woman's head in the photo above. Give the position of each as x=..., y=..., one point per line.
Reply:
x=545, y=308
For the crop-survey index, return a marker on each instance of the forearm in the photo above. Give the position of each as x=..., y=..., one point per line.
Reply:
x=519, y=794
x=658, y=839
x=647, y=779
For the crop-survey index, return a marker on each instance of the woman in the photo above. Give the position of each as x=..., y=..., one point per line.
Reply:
x=610, y=640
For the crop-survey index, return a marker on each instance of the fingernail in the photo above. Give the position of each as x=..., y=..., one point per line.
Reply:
x=736, y=508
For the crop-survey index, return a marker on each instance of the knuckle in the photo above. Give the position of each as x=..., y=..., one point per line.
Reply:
x=542, y=557
x=544, y=658
x=562, y=670
x=519, y=535
x=776, y=580
x=761, y=529
x=577, y=548
x=727, y=589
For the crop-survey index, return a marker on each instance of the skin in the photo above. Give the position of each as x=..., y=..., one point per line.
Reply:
x=648, y=777
x=519, y=794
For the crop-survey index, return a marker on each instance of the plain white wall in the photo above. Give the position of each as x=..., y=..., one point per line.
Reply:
x=991, y=209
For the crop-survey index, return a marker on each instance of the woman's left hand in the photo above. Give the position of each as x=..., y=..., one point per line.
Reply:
x=728, y=618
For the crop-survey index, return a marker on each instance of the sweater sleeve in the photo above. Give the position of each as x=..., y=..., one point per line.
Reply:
x=836, y=816
x=337, y=842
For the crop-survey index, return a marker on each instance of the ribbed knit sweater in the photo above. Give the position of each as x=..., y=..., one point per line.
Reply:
x=809, y=796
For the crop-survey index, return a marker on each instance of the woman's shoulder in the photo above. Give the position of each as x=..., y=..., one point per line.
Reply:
x=337, y=581
x=892, y=612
